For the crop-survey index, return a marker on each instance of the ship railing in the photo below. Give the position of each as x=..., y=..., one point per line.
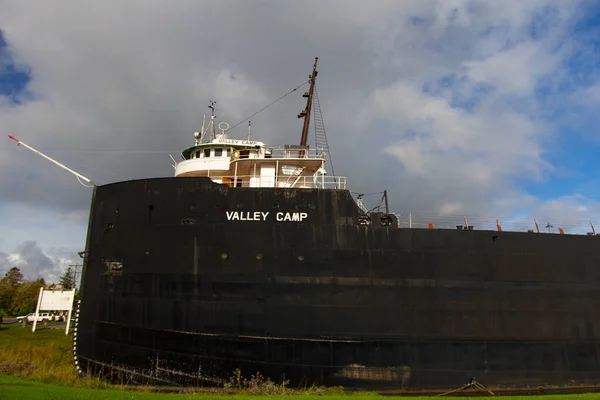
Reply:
x=281, y=153
x=543, y=224
x=295, y=152
x=287, y=181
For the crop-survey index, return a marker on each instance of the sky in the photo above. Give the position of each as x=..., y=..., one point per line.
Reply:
x=484, y=109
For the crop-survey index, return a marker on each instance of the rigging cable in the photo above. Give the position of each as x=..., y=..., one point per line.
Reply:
x=83, y=184
x=268, y=105
x=378, y=206
x=366, y=194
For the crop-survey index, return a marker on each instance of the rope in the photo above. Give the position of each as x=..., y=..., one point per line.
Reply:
x=82, y=183
x=366, y=194
x=378, y=205
x=268, y=105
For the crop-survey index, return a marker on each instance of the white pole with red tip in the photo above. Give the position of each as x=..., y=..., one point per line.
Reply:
x=20, y=143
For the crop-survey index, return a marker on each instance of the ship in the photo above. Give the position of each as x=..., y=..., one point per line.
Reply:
x=254, y=260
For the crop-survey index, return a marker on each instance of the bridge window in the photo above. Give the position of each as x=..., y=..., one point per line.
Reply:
x=218, y=152
x=206, y=152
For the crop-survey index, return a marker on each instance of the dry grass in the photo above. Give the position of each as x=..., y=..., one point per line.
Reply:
x=44, y=356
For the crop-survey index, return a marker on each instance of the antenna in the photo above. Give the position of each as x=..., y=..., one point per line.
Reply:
x=79, y=176
x=212, y=119
x=306, y=112
x=249, y=128
x=199, y=136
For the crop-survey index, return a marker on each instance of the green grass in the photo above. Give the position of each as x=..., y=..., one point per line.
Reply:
x=22, y=389
x=40, y=366
x=44, y=355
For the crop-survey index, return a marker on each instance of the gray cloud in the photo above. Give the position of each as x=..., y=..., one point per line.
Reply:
x=36, y=263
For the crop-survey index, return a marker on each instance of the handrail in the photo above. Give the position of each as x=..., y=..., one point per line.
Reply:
x=556, y=225
x=284, y=181
x=274, y=153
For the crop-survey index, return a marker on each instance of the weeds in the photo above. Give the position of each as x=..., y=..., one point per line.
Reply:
x=17, y=368
x=46, y=357
x=256, y=384
x=261, y=385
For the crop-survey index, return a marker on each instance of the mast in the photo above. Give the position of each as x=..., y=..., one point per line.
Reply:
x=78, y=175
x=387, y=208
x=212, y=119
x=306, y=112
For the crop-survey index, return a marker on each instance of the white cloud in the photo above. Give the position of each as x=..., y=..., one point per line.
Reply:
x=467, y=156
x=574, y=208
x=589, y=96
x=515, y=70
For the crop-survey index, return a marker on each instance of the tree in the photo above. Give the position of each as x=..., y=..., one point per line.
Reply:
x=66, y=279
x=7, y=292
x=14, y=277
x=26, y=297
x=8, y=287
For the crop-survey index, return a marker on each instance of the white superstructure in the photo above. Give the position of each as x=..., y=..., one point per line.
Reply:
x=247, y=163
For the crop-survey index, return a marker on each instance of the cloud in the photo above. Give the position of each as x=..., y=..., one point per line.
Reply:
x=467, y=157
x=35, y=263
x=436, y=99
x=515, y=70
x=572, y=210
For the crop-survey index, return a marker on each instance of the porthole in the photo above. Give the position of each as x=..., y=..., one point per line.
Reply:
x=300, y=258
x=224, y=256
x=259, y=256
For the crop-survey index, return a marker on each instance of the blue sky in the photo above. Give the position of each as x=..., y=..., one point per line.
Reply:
x=455, y=108
x=13, y=79
x=574, y=150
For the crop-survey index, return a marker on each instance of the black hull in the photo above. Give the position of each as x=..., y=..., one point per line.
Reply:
x=175, y=292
